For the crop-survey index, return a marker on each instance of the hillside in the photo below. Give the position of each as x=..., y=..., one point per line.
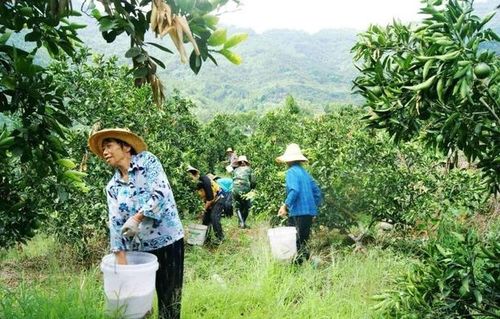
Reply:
x=316, y=69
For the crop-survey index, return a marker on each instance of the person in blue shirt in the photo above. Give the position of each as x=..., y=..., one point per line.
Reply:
x=303, y=198
x=142, y=209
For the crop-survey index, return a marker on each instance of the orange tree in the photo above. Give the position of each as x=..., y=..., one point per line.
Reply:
x=33, y=110
x=436, y=81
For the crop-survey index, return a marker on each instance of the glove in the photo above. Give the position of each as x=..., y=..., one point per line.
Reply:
x=131, y=227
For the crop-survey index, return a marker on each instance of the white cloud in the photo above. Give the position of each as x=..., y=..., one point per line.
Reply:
x=313, y=15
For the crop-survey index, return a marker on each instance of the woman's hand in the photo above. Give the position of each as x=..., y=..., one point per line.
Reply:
x=121, y=257
x=282, y=212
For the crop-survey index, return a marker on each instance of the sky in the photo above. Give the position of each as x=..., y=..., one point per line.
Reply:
x=314, y=15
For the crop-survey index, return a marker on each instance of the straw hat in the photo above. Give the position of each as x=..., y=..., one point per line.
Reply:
x=212, y=176
x=229, y=150
x=292, y=154
x=125, y=135
x=243, y=158
x=192, y=169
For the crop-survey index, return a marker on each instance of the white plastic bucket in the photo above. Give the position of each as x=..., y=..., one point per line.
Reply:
x=129, y=288
x=283, y=242
x=197, y=234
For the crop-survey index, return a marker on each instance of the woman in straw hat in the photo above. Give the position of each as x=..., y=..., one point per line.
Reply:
x=142, y=208
x=243, y=182
x=213, y=201
x=232, y=159
x=303, y=197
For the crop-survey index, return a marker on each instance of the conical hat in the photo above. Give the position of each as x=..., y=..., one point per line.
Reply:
x=292, y=154
x=125, y=135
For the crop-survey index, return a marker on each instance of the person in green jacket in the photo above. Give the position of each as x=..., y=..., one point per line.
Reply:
x=243, y=183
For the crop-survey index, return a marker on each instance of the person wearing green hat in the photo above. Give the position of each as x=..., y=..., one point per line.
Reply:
x=142, y=208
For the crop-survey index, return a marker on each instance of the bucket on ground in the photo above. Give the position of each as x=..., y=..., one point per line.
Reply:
x=197, y=234
x=129, y=289
x=283, y=242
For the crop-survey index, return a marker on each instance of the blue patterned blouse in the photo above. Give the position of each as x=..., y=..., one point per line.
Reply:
x=147, y=190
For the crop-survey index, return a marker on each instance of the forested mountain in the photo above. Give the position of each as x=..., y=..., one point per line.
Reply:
x=316, y=69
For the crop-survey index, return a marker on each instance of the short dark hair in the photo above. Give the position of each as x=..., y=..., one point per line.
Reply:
x=122, y=144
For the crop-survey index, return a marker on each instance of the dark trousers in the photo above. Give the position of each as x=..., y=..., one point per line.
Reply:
x=169, y=278
x=242, y=206
x=228, y=204
x=303, y=225
x=213, y=215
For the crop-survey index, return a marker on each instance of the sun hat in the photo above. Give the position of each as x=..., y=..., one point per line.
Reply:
x=192, y=169
x=243, y=158
x=212, y=176
x=229, y=150
x=292, y=154
x=122, y=134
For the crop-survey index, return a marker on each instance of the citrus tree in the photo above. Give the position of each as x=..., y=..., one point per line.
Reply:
x=436, y=81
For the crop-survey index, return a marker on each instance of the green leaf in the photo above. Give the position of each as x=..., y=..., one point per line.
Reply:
x=157, y=61
x=160, y=47
x=33, y=36
x=133, y=52
x=106, y=24
x=211, y=20
x=195, y=62
x=231, y=56
x=486, y=20
x=96, y=14
x=9, y=82
x=141, y=72
x=478, y=296
x=76, y=26
x=235, y=39
x=422, y=86
x=217, y=38
x=186, y=5
x=4, y=37
x=427, y=67
x=464, y=289
x=443, y=252
x=66, y=162
x=458, y=236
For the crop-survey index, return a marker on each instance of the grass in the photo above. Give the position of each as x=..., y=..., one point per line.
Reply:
x=238, y=279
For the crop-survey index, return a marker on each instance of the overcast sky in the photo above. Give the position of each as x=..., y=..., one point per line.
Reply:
x=314, y=15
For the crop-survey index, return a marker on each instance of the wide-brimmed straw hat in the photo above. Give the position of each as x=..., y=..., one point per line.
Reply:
x=229, y=150
x=292, y=154
x=122, y=134
x=243, y=158
x=192, y=169
x=212, y=176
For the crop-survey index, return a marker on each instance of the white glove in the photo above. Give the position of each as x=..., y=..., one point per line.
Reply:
x=131, y=227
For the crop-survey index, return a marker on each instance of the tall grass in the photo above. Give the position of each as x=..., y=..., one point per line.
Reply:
x=247, y=283
x=238, y=279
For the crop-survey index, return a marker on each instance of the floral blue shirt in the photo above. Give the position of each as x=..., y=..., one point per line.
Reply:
x=147, y=190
